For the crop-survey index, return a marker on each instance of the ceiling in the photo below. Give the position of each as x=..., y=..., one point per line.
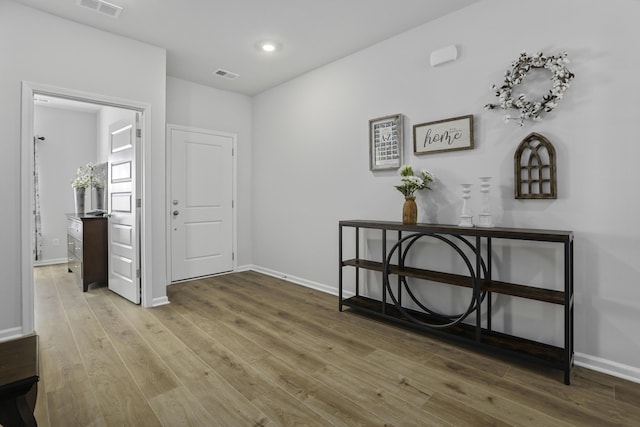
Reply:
x=201, y=36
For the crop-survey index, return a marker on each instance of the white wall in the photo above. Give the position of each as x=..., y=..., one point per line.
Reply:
x=41, y=48
x=305, y=156
x=310, y=153
x=197, y=106
x=70, y=143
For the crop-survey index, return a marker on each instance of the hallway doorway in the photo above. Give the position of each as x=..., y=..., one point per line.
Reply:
x=30, y=92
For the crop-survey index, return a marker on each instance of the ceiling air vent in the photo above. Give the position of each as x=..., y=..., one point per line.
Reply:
x=102, y=7
x=226, y=74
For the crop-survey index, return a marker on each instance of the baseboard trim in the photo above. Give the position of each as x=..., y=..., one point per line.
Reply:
x=241, y=268
x=50, y=262
x=157, y=302
x=297, y=280
x=11, y=333
x=608, y=367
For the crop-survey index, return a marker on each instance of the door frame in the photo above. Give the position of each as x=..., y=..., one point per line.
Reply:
x=234, y=176
x=29, y=90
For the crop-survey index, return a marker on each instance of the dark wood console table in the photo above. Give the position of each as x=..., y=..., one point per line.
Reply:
x=19, y=375
x=469, y=244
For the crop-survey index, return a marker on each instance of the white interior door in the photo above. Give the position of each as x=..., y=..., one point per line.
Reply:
x=124, y=251
x=201, y=203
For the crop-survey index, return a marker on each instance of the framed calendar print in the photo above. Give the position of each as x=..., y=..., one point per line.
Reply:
x=385, y=142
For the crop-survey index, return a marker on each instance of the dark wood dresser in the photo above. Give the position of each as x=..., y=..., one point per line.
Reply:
x=87, y=248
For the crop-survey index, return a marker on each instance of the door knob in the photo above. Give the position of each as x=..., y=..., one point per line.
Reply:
x=175, y=213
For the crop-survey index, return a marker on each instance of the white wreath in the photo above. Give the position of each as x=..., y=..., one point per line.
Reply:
x=561, y=77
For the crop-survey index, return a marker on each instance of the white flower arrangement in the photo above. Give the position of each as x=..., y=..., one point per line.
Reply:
x=82, y=179
x=561, y=78
x=96, y=175
x=87, y=176
x=411, y=183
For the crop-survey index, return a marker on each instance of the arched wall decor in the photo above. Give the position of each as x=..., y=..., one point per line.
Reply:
x=535, y=169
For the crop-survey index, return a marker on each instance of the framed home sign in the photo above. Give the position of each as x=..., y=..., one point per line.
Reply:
x=385, y=142
x=443, y=135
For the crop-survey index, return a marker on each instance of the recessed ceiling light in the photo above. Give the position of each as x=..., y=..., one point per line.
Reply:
x=268, y=46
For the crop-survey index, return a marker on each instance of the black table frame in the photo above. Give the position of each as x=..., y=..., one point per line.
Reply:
x=479, y=279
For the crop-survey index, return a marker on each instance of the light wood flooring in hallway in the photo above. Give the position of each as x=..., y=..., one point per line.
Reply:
x=246, y=349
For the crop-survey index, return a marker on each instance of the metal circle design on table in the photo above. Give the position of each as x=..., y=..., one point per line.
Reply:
x=453, y=319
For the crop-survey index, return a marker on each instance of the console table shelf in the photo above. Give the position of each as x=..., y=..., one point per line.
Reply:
x=479, y=280
x=534, y=351
x=523, y=291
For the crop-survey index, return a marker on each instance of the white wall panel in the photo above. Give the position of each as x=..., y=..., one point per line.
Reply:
x=193, y=105
x=47, y=50
x=70, y=143
x=310, y=157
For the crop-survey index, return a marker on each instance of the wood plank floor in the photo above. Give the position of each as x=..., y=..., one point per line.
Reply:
x=246, y=349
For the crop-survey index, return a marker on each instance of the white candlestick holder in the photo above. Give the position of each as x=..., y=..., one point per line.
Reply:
x=466, y=219
x=484, y=218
